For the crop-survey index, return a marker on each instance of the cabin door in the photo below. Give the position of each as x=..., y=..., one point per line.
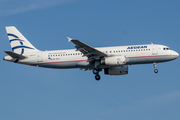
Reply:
x=39, y=57
x=154, y=50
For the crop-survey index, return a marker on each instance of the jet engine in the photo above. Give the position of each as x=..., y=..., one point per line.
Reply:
x=114, y=60
x=121, y=70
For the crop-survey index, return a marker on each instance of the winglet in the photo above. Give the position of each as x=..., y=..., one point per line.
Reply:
x=69, y=39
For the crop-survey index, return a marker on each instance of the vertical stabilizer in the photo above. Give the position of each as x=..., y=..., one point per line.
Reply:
x=18, y=42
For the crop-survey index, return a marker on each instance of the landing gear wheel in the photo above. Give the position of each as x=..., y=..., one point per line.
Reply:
x=95, y=71
x=97, y=77
x=156, y=70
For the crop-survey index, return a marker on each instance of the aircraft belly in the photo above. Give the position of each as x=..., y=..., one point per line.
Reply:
x=64, y=65
x=60, y=65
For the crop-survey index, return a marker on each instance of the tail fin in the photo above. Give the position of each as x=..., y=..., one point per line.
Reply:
x=18, y=42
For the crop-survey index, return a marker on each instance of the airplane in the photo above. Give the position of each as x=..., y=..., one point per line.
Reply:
x=113, y=60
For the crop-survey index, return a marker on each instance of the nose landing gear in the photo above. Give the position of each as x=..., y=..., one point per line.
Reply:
x=155, y=70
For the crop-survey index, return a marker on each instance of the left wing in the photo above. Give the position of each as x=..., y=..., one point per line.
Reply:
x=88, y=51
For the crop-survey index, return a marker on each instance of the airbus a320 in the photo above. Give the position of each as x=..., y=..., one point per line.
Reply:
x=113, y=60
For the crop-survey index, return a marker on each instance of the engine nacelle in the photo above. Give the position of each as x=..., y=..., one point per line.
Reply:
x=114, y=60
x=121, y=70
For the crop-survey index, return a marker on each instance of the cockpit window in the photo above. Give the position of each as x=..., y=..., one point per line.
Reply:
x=166, y=48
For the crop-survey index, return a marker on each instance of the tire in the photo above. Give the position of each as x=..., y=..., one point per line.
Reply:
x=97, y=77
x=156, y=71
x=95, y=71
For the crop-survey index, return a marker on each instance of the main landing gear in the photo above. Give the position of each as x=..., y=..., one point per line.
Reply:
x=96, y=72
x=155, y=70
x=97, y=77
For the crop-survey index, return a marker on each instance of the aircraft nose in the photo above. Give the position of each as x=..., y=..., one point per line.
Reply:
x=176, y=55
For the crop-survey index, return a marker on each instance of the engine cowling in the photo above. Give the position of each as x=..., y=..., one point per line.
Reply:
x=121, y=70
x=114, y=60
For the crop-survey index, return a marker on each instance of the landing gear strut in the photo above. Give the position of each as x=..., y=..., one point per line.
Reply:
x=155, y=70
x=96, y=72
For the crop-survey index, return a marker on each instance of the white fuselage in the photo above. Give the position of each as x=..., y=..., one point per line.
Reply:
x=134, y=54
x=113, y=60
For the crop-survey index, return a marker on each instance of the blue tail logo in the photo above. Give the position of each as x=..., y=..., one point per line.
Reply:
x=20, y=41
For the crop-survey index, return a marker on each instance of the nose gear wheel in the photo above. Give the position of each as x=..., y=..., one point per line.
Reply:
x=155, y=70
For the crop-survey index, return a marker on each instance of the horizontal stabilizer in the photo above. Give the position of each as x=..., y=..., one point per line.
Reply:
x=15, y=55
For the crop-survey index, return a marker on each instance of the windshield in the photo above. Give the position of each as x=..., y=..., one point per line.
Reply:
x=166, y=48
